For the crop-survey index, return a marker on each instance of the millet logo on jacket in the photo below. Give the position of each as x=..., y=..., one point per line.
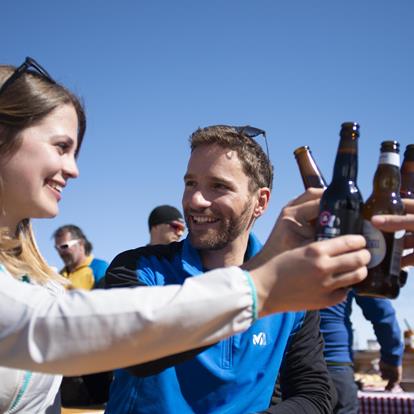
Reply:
x=259, y=339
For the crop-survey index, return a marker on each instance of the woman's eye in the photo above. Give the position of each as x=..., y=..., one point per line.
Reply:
x=62, y=147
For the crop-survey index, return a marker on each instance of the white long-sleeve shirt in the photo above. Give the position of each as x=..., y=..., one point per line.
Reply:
x=78, y=332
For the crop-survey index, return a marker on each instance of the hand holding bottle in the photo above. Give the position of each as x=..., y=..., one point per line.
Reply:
x=391, y=223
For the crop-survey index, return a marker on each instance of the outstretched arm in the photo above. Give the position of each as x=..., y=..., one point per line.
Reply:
x=381, y=314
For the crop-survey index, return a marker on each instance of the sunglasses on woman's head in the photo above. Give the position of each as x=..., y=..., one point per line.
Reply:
x=29, y=65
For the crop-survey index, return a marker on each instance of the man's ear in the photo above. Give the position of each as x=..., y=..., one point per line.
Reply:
x=263, y=197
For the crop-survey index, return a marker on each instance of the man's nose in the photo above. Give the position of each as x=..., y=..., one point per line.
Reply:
x=199, y=200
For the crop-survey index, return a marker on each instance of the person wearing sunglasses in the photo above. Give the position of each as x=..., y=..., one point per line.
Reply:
x=82, y=269
x=46, y=329
x=166, y=225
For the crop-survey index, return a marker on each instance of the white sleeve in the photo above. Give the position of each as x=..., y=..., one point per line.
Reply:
x=79, y=332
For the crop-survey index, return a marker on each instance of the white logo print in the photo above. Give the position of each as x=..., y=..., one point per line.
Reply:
x=259, y=339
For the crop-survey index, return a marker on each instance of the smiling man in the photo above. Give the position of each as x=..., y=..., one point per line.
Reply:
x=227, y=187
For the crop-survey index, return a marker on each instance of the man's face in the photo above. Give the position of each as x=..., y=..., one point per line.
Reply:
x=217, y=204
x=166, y=233
x=72, y=252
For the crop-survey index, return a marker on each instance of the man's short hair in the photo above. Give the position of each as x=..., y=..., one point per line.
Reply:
x=77, y=233
x=163, y=215
x=255, y=163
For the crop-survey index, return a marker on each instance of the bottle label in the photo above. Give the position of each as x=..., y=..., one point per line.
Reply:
x=331, y=225
x=327, y=227
x=389, y=158
x=375, y=244
x=398, y=245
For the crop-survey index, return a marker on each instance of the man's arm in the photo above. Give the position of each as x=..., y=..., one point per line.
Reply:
x=381, y=314
x=305, y=385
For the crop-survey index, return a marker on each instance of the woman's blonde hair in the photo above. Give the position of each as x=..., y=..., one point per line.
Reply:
x=26, y=101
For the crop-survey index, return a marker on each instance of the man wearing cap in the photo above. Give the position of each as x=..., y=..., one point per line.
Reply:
x=166, y=225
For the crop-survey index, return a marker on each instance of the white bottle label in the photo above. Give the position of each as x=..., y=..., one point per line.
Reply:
x=390, y=158
x=375, y=244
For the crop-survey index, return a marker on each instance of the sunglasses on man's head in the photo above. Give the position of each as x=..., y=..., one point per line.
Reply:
x=31, y=66
x=250, y=132
x=67, y=245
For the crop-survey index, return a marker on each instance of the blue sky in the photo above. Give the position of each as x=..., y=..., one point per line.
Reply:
x=152, y=72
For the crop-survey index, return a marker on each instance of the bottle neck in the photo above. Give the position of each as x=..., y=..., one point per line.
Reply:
x=346, y=162
x=310, y=173
x=387, y=179
x=407, y=179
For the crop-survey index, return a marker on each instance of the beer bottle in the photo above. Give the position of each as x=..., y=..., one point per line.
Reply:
x=407, y=173
x=407, y=191
x=384, y=268
x=309, y=171
x=341, y=203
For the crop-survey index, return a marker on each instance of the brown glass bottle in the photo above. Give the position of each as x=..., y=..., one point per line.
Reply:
x=407, y=173
x=407, y=191
x=309, y=171
x=341, y=204
x=383, y=278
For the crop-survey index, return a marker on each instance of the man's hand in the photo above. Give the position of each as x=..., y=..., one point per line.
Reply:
x=294, y=227
x=394, y=223
x=309, y=277
x=391, y=373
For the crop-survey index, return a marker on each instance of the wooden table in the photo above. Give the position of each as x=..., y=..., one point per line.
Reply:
x=379, y=402
x=83, y=410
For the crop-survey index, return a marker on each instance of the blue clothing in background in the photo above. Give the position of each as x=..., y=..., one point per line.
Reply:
x=336, y=328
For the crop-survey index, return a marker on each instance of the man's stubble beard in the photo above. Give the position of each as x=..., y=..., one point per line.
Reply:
x=229, y=230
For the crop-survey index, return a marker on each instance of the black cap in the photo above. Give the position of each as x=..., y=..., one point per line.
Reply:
x=164, y=214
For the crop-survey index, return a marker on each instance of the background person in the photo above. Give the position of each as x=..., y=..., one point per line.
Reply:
x=336, y=328
x=82, y=269
x=166, y=225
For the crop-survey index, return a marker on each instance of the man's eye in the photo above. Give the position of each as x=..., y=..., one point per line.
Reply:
x=189, y=183
x=220, y=186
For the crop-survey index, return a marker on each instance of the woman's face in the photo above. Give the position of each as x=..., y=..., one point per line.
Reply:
x=34, y=177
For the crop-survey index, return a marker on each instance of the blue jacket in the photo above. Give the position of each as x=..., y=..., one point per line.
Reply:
x=336, y=328
x=236, y=375
x=98, y=267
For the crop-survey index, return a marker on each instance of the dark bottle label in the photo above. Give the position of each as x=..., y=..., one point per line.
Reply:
x=336, y=224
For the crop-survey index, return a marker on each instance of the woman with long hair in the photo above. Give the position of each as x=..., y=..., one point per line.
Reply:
x=46, y=329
